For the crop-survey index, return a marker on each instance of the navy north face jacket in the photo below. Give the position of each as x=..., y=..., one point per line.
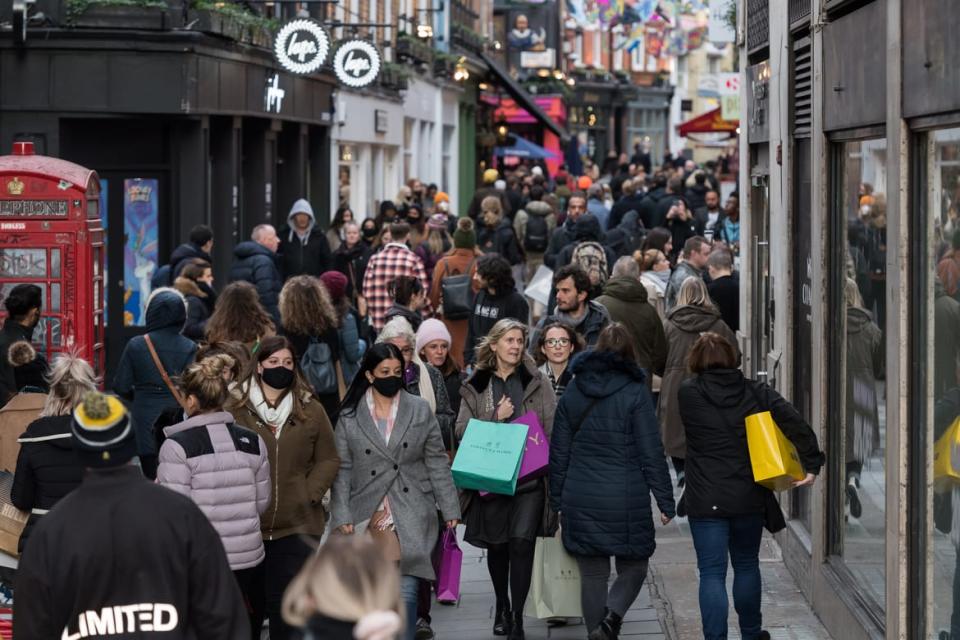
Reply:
x=601, y=474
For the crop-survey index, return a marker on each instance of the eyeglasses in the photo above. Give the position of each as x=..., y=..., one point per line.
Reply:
x=557, y=342
x=407, y=352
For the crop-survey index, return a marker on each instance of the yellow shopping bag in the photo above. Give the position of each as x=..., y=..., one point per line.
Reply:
x=776, y=464
x=946, y=457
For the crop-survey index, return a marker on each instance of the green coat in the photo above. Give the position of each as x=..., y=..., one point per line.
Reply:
x=626, y=300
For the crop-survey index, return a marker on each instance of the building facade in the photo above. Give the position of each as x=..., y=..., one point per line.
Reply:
x=851, y=153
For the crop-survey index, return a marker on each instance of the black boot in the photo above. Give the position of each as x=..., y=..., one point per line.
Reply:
x=516, y=628
x=501, y=619
x=609, y=627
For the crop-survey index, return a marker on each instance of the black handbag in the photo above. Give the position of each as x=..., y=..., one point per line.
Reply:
x=456, y=294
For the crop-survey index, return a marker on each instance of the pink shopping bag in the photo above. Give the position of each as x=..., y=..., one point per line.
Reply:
x=536, y=453
x=447, y=562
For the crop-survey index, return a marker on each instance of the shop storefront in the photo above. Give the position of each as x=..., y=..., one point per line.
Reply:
x=868, y=155
x=181, y=134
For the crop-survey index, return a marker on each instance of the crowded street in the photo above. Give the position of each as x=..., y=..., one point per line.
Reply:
x=471, y=319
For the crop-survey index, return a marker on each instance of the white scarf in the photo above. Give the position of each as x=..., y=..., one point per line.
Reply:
x=275, y=418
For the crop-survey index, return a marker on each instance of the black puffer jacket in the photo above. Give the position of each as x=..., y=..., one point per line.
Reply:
x=298, y=257
x=602, y=474
x=47, y=469
x=182, y=256
x=258, y=265
x=201, y=299
x=719, y=478
x=502, y=240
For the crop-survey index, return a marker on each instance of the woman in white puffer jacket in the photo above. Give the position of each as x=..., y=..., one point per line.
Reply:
x=224, y=469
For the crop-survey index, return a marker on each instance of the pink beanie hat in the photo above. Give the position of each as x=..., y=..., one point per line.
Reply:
x=430, y=330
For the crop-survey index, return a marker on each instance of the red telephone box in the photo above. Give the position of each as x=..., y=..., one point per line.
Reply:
x=51, y=236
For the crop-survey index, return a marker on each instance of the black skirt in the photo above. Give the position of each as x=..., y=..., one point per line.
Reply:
x=495, y=519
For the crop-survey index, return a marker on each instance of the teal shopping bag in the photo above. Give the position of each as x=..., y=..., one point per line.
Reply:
x=489, y=457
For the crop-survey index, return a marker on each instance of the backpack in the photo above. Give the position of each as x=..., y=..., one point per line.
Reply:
x=456, y=294
x=162, y=278
x=536, y=236
x=592, y=258
x=319, y=368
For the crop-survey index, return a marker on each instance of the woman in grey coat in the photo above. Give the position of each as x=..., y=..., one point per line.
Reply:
x=394, y=473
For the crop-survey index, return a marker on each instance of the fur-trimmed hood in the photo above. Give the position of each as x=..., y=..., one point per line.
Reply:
x=188, y=287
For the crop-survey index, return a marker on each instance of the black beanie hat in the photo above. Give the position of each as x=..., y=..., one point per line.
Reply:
x=102, y=431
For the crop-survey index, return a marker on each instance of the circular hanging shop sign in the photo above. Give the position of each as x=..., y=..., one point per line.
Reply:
x=356, y=63
x=301, y=46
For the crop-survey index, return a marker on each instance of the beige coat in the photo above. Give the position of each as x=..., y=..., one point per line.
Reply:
x=15, y=417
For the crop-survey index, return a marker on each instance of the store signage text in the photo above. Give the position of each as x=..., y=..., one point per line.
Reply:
x=356, y=63
x=273, y=95
x=16, y=208
x=301, y=46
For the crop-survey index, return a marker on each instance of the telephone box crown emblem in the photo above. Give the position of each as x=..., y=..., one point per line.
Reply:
x=15, y=187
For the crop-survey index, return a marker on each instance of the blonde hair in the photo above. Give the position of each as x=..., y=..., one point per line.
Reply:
x=305, y=307
x=486, y=358
x=71, y=377
x=851, y=294
x=349, y=578
x=694, y=292
x=437, y=239
x=204, y=381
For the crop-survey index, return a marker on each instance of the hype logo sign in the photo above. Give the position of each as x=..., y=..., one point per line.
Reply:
x=356, y=63
x=301, y=46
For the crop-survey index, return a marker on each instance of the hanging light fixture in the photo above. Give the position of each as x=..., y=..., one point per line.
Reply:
x=460, y=72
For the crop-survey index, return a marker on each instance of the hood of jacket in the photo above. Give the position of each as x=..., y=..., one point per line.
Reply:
x=693, y=319
x=301, y=206
x=188, y=251
x=630, y=221
x=588, y=228
x=625, y=288
x=858, y=319
x=599, y=374
x=538, y=208
x=249, y=248
x=724, y=387
x=166, y=307
x=52, y=430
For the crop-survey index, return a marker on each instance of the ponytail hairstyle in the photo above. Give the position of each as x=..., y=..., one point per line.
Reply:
x=206, y=381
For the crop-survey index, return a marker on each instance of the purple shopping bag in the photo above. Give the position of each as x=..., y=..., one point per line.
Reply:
x=447, y=562
x=536, y=453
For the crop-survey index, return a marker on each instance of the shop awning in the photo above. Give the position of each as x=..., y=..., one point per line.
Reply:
x=709, y=122
x=523, y=98
x=522, y=148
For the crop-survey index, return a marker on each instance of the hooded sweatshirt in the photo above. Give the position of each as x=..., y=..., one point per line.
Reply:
x=303, y=252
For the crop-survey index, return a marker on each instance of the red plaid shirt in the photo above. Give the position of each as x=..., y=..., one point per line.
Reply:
x=395, y=260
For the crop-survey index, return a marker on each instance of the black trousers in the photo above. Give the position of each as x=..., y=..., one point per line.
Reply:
x=252, y=584
x=284, y=559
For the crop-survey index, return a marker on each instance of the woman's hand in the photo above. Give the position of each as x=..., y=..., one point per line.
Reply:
x=452, y=524
x=806, y=482
x=665, y=519
x=362, y=306
x=346, y=529
x=504, y=408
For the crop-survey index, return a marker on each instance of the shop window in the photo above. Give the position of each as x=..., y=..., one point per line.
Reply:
x=940, y=167
x=344, y=174
x=858, y=372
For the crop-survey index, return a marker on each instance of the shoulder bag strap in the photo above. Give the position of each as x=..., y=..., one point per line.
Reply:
x=584, y=415
x=163, y=372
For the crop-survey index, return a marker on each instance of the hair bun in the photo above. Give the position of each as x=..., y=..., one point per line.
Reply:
x=212, y=367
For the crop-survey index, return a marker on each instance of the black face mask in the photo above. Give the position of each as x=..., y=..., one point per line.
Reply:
x=389, y=386
x=278, y=377
x=370, y=232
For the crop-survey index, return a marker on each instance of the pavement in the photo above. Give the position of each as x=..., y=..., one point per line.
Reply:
x=667, y=607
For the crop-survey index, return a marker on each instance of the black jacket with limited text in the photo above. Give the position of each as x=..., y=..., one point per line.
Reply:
x=122, y=557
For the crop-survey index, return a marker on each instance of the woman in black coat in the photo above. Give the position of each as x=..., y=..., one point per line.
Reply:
x=195, y=282
x=47, y=466
x=605, y=460
x=728, y=510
